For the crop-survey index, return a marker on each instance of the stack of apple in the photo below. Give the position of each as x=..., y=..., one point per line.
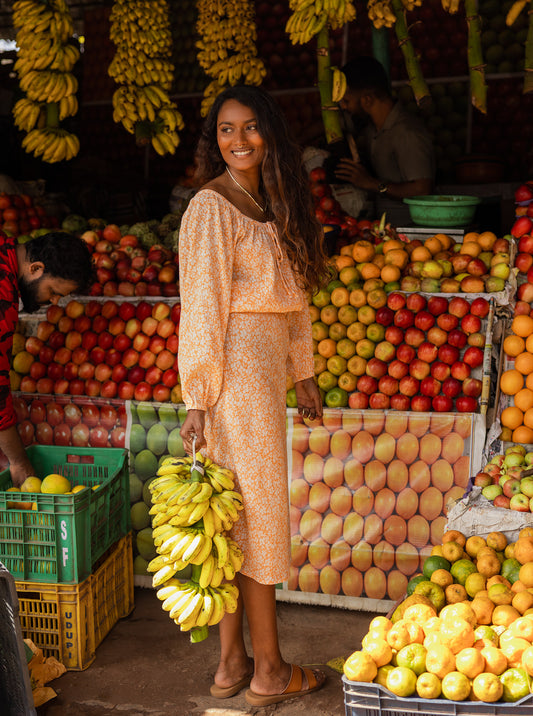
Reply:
x=106, y=349
x=405, y=352
x=522, y=231
x=125, y=268
x=502, y=482
x=85, y=422
x=20, y=215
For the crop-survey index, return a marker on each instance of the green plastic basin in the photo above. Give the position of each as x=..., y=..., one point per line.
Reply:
x=446, y=210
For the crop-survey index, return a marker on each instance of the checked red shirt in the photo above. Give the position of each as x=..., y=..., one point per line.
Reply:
x=9, y=305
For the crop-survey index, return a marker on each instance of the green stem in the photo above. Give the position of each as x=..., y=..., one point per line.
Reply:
x=478, y=86
x=143, y=133
x=199, y=634
x=528, y=79
x=414, y=71
x=330, y=111
x=52, y=114
x=196, y=570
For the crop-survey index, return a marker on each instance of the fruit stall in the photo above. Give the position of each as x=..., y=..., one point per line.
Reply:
x=422, y=343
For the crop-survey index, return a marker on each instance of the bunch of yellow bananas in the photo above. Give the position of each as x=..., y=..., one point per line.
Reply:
x=411, y=4
x=381, y=13
x=193, y=505
x=226, y=50
x=310, y=16
x=44, y=66
x=451, y=6
x=142, y=67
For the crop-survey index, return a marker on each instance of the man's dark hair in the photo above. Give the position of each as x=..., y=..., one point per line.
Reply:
x=64, y=256
x=367, y=73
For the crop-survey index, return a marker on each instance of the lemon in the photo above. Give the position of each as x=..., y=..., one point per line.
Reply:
x=31, y=484
x=55, y=485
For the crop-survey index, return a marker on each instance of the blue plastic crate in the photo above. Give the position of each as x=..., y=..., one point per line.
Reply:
x=362, y=699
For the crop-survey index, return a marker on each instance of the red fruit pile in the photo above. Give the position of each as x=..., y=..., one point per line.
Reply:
x=19, y=215
x=125, y=268
x=107, y=349
x=59, y=421
x=433, y=347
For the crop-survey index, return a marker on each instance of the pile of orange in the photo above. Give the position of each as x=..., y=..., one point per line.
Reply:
x=459, y=651
x=368, y=497
x=517, y=382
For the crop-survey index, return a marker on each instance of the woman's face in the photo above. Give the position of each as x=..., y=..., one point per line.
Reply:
x=239, y=141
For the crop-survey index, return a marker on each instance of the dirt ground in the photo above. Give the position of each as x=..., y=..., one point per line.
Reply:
x=147, y=667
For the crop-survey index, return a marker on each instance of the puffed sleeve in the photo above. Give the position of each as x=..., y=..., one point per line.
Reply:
x=300, y=360
x=206, y=251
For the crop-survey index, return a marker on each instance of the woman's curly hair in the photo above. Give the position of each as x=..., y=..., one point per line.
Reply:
x=284, y=181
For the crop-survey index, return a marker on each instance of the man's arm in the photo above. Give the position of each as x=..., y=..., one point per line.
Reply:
x=19, y=463
x=356, y=174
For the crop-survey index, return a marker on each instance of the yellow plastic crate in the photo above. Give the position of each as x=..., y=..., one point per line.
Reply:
x=69, y=621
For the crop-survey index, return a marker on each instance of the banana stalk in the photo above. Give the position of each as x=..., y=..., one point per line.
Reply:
x=414, y=71
x=478, y=86
x=528, y=79
x=330, y=111
x=52, y=114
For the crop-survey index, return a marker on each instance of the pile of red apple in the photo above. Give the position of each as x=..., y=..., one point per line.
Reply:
x=125, y=268
x=107, y=349
x=61, y=421
x=502, y=480
x=426, y=362
x=19, y=215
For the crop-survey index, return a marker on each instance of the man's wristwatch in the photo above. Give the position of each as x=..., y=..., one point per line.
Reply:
x=382, y=188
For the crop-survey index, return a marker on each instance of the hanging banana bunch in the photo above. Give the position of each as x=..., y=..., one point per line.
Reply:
x=194, y=504
x=381, y=14
x=451, y=6
x=309, y=17
x=226, y=50
x=411, y=4
x=140, y=30
x=412, y=65
x=44, y=67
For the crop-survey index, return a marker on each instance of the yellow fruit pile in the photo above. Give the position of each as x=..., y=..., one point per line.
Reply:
x=466, y=636
x=517, y=382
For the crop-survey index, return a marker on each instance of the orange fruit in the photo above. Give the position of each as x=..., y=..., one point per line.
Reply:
x=522, y=435
x=524, y=399
x=487, y=687
x=433, y=245
x=342, y=262
x=511, y=417
x=504, y=615
x=363, y=251
x=421, y=253
x=528, y=418
x=470, y=236
x=495, y=660
x=390, y=273
x=511, y=381
x=529, y=381
x=514, y=345
x=523, y=362
x=457, y=634
x=445, y=240
x=522, y=325
x=440, y=660
x=470, y=662
x=370, y=270
x=360, y=667
x=380, y=651
x=513, y=649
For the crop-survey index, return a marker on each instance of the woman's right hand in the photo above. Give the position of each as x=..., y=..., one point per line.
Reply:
x=193, y=425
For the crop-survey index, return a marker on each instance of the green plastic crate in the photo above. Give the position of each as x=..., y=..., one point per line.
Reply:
x=61, y=540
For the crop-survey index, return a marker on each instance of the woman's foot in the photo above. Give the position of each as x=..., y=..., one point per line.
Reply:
x=299, y=682
x=232, y=677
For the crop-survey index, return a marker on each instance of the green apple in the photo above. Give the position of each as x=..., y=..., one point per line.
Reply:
x=492, y=491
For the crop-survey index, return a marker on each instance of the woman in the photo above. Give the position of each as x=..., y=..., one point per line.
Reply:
x=249, y=245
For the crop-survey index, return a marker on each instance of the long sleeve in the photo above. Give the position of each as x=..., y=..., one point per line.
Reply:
x=300, y=359
x=206, y=251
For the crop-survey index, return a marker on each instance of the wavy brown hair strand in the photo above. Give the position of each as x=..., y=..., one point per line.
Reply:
x=284, y=181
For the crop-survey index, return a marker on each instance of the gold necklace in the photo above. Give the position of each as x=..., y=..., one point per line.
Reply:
x=245, y=191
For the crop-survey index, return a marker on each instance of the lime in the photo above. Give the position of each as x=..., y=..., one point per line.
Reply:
x=433, y=563
x=510, y=569
x=461, y=569
x=413, y=582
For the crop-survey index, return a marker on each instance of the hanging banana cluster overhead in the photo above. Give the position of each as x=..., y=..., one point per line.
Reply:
x=381, y=13
x=226, y=50
x=310, y=16
x=451, y=6
x=411, y=4
x=140, y=30
x=193, y=506
x=44, y=67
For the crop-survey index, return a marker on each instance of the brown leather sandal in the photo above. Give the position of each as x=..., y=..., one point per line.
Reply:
x=226, y=692
x=292, y=690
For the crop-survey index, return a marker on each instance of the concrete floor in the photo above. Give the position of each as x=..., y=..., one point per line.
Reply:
x=147, y=667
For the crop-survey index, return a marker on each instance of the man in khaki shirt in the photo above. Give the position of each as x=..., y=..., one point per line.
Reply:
x=396, y=149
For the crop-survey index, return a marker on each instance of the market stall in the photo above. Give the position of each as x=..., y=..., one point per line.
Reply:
x=421, y=337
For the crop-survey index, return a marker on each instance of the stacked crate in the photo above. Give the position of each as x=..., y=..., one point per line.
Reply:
x=71, y=555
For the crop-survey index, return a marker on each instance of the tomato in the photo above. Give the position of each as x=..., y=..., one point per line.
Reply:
x=364, y=224
x=320, y=190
